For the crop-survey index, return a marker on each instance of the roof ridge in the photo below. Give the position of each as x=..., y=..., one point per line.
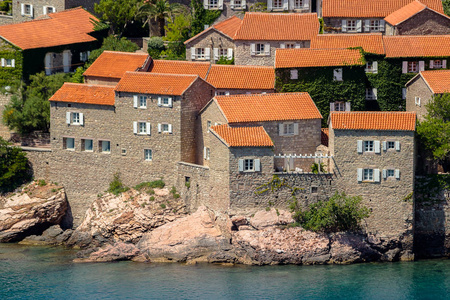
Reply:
x=183, y=61
x=163, y=74
x=242, y=66
x=258, y=95
x=125, y=53
x=89, y=85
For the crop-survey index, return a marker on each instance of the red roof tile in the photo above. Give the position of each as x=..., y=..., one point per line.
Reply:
x=62, y=28
x=114, y=64
x=405, y=12
x=306, y=57
x=438, y=80
x=278, y=27
x=267, y=107
x=243, y=136
x=242, y=77
x=367, y=120
x=417, y=46
x=180, y=67
x=371, y=42
x=153, y=83
x=370, y=8
x=324, y=136
x=85, y=93
x=227, y=27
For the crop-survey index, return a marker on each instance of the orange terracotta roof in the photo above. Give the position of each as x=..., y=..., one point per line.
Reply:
x=370, y=42
x=155, y=83
x=417, y=46
x=438, y=80
x=227, y=27
x=85, y=93
x=243, y=136
x=370, y=8
x=62, y=28
x=180, y=67
x=368, y=120
x=242, y=77
x=113, y=64
x=324, y=136
x=278, y=27
x=267, y=107
x=405, y=12
x=306, y=57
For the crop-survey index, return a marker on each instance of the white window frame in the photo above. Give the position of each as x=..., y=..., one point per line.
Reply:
x=339, y=106
x=83, y=145
x=390, y=173
x=259, y=49
x=299, y=4
x=294, y=74
x=352, y=25
x=375, y=25
x=276, y=6
x=390, y=145
x=102, y=144
x=148, y=155
x=371, y=94
x=290, y=45
x=289, y=129
x=76, y=118
x=369, y=146
x=249, y=165
x=213, y=4
x=142, y=101
x=46, y=8
x=24, y=7
x=142, y=128
x=200, y=53
x=417, y=101
x=413, y=67
x=66, y=144
x=437, y=64
x=368, y=175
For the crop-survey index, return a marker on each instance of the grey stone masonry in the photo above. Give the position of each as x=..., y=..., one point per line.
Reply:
x=418, y=94
x=4, y=131
x=426, y=22
x=213, y=43
x=354, y=25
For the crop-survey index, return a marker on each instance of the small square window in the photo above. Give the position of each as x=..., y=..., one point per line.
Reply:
x=200, y=53
x=165, y=101
x=390, y=145
x=314, y=189
x=390, y=173
x=9, y=62
x=69, y=143
x=148, y=154
x=208, y=125
x=49, y=9
x=165, y=127
x=351, y=25
x=374, y=25
x=368, y=146
x=142, y=101
x=123, y=151
x=249, y=165
x=289, y=129
x=412, y=67
x=299, y=4
x=437, y=64
x=289, y=45
x=76, y=118
x=368, y=175
x=213, y=3
x=87, y=145
x=339, y=106
x=260, y=49
x=27, y=9
x=294, y=74
x=104, y=146
x=371, y=94
x=223, y=52
x=142, y=128
x=337, y=74
x=277, y=4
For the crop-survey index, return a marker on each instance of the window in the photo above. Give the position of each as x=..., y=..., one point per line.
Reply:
x=371, y=67
x=213, y=3
x=249, y=165
x=371, y=94
x=104, y=146
x=165, y=101
x=337, y=74
x=390, y=173
x=142, y=101
x=374, y=25
x=412, y=67
x=220, y=93
x=48, y=10
x=124, y=151
x=27, y=10
x=165, y=128
x=84, y=55
x=87, y=145
x=294, y=74
x=299, y=4
x=8, y=62
x=277, y=4
x=289, y=45
x=208, y=125
x=148, y=154
x=390, y=145
x=368, y=146
x=417, y=101
x=339, y=106
x=368, y=175
x=259, y=49
x=351, y=25
x=76, y=118
x=289, y=129
x=223, y=52
x=200, y=53
x=69, y=143
x=142, y=128
x=237, y=3
x=436, y=64
x=314, y=189
x=403, y=93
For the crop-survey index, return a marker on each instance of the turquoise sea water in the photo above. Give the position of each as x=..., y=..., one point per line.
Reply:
x=48, y=273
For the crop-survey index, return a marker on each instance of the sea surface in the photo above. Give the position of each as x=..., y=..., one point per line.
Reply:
x=48, y=273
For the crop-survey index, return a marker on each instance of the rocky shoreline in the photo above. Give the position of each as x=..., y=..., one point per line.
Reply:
x=154, y=226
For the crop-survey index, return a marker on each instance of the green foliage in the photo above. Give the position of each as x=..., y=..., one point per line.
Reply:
x=152, y=198
x=258, y=7
x=42, y=182
x=6, y=6
x=322, y=25
x=225, y=61
x=152, y=184
x=187, y=184
x=163, y=206
x=446, y=4
x=116, y=186
x=428, y=188
x=155, y=46
x=315, y=168
x=201, y=16
x=177, y=32
x=159, y=11
x=77, y=77
x=339, y=213
x=29, y=109
x=14, y=167
x=117, y=13
x=10, y=75
x=174, y=193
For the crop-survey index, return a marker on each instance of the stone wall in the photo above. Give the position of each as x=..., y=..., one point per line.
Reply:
x=425, y=22
x=243, y=55
x=418, y=88
x=193, y=183
x=5, y=20
x=212, y=39
x=4, y=131
x=38, y=8
x=334, y=25
x=40, y=161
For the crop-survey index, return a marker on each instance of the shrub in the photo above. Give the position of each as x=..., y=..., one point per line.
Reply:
x=315, y=168
x=339, y=213
x=163, y=206
x=224, y=61
x=14, y=167
x=174, y=193
x=155, y=47
x=42, y=182
x=116, y=186
x=152, y=198
x=152, y=185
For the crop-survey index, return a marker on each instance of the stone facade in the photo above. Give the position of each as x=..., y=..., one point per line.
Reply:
x=209, y=40
x=335, y=25
x=4, y=131
x=101, y=80
x=243, y=55
x=417, y=88
x=5, y=20
x=426, y=22
x=390, y=199
x=40, y=161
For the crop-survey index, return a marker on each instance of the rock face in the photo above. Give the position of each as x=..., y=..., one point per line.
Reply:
x=31, y=211
x=126, y=217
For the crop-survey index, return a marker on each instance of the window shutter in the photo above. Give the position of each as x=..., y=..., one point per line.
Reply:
x=68, y=117
x=244, y=4
x=431, y=64
x=44, y=10
x=135, y=101
x=81, y=119
x=348, y=106
x=376, y=175
x=384, y=146
x=286, y=4
x=332, y=106
x=170, y=128
x=297, y=46
x=216, y=53
x=230, y=53
x=257, y=165
x=382, y=25
x=159, y=101
x=22, y=9
x=358, y=25
x=159, y=127
x=360, y=174
x=405, y=67
x=220, y=4
x=149, y=128
x=135, y=128
x=193, y=52
x=366, y=25
x=241, y=165
x=207, y=53
x=397, y=145
x=444, y=64
x=384, y=173
x=267, y=49
x=359, y=146
x=375, y=92
x=294, y=74
x=205, y=4
x=375, y=67
x=344, y=25
x=337, y=74
x=13, y=63
x=232, y=4
x=281, y=129
x=227, y=93
x=421, y=65
x=282, y=46
x=170, y=102
x=269, y=5
x=397, y=174
x=252, y=49
x=403, y=93
x=31, y=11
x=3, y=62
x=295, y=128
x=377, y=146
x=306, y=4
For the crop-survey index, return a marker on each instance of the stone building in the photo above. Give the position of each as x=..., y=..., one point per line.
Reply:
x=423, y=87
x=374, y=154
x=355, y=16
x=260, y=34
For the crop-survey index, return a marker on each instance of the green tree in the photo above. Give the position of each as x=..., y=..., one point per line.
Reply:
x=14, y=167
x=446, y=4
x=201, y=16
x=159, y=11
x=117, y=13
x=155, y=46
x=177, y=32
x=434, y=131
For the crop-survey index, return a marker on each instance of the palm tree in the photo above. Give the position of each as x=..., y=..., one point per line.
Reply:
x=157, y=12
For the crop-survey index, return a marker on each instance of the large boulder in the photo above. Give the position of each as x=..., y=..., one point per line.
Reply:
x=116, y=252
x=31, y=211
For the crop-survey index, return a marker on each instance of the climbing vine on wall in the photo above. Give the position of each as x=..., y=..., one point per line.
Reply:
x=9, y=75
